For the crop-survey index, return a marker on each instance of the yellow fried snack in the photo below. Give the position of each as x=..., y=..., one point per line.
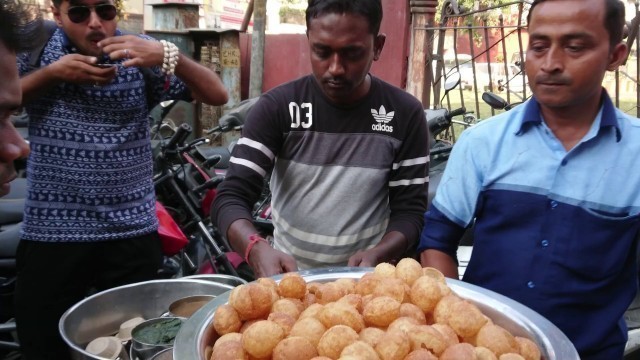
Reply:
x=426, y=337
x=510, y=356
x=385, y=270
x=413, y=311
x=292, y=285
x=360, y=350
x=354, y=300
x=348, y=285
x=251, y=301
x=229, y=350
x=408, y=270
x=335, y=339
x=282, y=319
x=294, y=348
x=394, y=345
x=371, y=335
x=528, y=349
x=392, y=287
x=466, y=319
x=403, y=324
x=289, y=306
x=368, y=283
x=447, y=332
x=462, y=351
x=312, y=311
x=482, y=353
x=270, y=284
x=337, y=313
x=226, y=320
x=227, y=337
x=425, y=293
x=329, y=292
x=261, y=338
x=381, y=311
x=421, y=354
x=497, y=339
x=443, y=310
x=309, y=328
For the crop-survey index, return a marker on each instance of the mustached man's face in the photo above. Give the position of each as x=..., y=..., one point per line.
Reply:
x=86, y=34
x=12, y=146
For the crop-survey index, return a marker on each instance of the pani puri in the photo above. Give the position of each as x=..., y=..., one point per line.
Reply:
x=335, y=339
x=371, y=335
x=421, y=354
x=510, y=356
x=385, y=269
x=261, y=338
x=381, y=311
x=496, y=339
x=312, y=311
x=394, y=345
x=360, y=350
x=426, y=337
x=309, y=328
x=292, y=285
x=229, y=350
x=403, y=324
x=434, y=274
x=443, y=309
x=482, y=353
x=413, y=311
x=348, y=285
x=282, y=319
x=447, y=332
x=466, y=319
x=368, y=283
x=271, y=285
x=226, y=320
x=289, y=306
x=354, y=300
x=408, y=270
x=329, y=292
x=425, y=293
x=391, y=287
x=251, y=301
x=528, y=349
x=294, y=348
x=227, y=337
x=308, y=299
x=337, y=313
x=461, y=351
x=248, y=323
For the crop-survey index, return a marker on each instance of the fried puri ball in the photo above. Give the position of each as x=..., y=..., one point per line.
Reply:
x=261, y=338
x=511, y=356
x=335, y=339
x=308, y=300
x=294, y=348
x=425, y=293
x=227, y=337
x=391, y=287
x=371, y=335
x=368, y=283
x=312, y=311
x=309, y=328
x=461, y=351
x=443, y=310
x=292, y=285
x=385, y=269
x=421, y=354
x=229, y=350
x=282, y=319
x=337, y=313
x=248, y=323
x=226, y=320
x=413, y=311
x=528, y=349
x=313, y=287
x=394, y=345
x=403, y=324
x=251, y=301
x=426, y=337
x=354, y=300
x=271, y=284
x=321, y=358
x=329, y=292
x=348, y=285
x=290, y=306
x=447, y=332
x=482, y=353
x=381, y=311
x=408, y=270
x=497, y=339
x=360, y=350
x=466, y=319
x=434, y=274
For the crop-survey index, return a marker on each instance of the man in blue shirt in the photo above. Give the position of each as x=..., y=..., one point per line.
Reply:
x=89, y=220
x=550, y=185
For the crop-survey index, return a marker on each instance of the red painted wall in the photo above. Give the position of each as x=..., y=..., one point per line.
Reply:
x=287, y=55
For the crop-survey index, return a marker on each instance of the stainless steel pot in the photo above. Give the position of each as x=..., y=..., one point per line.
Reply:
x=197, y=332
x=101, y=314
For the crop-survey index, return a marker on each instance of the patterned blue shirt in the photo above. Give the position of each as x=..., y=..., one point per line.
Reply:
x=90, y=168
x=555, y=230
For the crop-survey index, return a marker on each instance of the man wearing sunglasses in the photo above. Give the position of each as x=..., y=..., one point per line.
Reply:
x=89, y=221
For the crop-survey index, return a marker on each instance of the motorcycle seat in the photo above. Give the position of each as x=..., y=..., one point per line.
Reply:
x=207, y=152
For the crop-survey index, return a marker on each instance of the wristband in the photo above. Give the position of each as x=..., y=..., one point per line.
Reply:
x=253, y=239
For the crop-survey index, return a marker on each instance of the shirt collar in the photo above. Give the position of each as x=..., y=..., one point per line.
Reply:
x=608, y=118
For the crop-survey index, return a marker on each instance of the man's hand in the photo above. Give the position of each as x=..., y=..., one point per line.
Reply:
x=81, y=69
x=267, y=261
x=365, y=258
x=135, y=50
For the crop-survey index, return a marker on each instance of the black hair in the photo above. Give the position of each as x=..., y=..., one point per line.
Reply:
x=613, y=19
x=370, y=9
x=20, y=25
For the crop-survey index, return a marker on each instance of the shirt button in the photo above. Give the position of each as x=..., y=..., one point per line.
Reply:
x=544, y=243
x=531, y=285
x=554, y=204
x=564, y=162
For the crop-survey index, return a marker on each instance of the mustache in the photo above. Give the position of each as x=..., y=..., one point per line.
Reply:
x=328, y=79
x=96, y=36
x=552, y=79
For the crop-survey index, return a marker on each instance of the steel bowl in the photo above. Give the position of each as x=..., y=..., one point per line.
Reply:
x=220, y=278
x=101, y=314
x=198, y=332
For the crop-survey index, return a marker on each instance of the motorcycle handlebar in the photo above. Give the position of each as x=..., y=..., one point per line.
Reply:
x=179, y=137
x=456, y=112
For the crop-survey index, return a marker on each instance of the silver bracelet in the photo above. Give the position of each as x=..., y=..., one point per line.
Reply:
x=170, y=57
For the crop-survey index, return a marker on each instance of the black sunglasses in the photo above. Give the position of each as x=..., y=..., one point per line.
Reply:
x=79, y=14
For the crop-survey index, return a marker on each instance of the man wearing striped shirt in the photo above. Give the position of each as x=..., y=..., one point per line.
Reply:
x=346, y=152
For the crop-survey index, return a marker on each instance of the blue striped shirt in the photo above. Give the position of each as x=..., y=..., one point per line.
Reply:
x=90, y=168
x=555, y=230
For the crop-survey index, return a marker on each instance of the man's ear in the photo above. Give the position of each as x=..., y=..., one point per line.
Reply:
x=617, y=56
x=56, y=15
x=378, y=44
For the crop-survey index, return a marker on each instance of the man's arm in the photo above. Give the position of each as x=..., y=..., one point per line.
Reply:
x=205, y=85
x=441, y=261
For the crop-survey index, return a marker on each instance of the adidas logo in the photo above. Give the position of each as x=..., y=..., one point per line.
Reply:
x=382, y=118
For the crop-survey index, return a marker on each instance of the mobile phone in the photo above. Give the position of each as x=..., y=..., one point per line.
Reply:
x=104, y=66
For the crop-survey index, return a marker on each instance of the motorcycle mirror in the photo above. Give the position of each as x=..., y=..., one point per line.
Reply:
x=452, y=81
x=494, y=100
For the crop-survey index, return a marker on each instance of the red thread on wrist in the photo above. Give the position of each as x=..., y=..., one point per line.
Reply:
x=253, y=239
